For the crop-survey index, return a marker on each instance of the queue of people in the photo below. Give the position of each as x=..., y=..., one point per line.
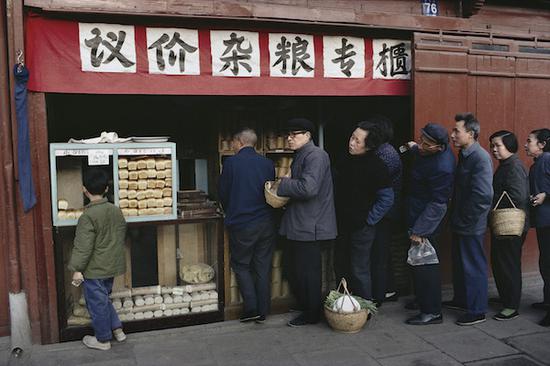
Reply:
x=358, y=200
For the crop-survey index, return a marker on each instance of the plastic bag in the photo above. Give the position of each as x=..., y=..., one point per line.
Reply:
x=422, y=254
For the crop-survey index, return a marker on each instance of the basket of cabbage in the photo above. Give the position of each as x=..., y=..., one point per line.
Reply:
x=346, y=313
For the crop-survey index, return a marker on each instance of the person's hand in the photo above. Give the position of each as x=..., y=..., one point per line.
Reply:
x=416, y=239
x=411, y=144
x=538, y=199
x=77, y=276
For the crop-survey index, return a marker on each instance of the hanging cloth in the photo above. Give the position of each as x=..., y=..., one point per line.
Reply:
x=26, y=186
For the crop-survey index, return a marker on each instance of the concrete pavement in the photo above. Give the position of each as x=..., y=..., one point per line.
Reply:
x=385, y=341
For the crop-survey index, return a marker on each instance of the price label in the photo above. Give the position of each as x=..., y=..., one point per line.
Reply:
x=430, y=8
x=98, y=157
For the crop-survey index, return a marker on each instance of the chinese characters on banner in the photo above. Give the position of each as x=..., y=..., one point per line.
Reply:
x=175, y=51
x=107, y=47
x=391, y=59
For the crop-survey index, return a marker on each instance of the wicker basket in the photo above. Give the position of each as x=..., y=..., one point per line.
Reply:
x=345, y=322
x=270, y=189
x=507, y=221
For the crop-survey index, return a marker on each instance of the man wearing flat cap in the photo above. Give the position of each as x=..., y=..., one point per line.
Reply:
x=309, y=218
x=431, y=187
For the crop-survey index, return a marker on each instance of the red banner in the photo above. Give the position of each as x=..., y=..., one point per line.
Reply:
x=61, y=58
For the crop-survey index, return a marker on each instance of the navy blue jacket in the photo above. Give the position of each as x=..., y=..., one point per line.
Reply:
x=241, y=188
x=473, y=193
x=539, y=181
x=431, y=183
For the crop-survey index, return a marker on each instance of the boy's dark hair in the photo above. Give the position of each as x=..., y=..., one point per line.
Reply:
x=543, y=136
x=509, y=140
x=385, y=126
x=374, y=137
x=471, y=124
x=96, y=181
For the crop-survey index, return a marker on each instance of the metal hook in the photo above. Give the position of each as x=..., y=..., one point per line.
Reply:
x=20, y=60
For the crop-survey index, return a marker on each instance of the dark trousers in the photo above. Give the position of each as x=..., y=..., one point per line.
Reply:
x=307, y=277
x=100, y=307
x=543, y=239
x=427, y=284
x=251, y=256
x=506, y=265
x=361, y=241
x=470, y=284
x=380, y=257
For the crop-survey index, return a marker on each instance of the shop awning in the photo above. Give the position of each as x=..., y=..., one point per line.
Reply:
x=98, y=58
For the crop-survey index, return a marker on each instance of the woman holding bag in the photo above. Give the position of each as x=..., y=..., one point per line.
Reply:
x=538, y=147
x=511, y=190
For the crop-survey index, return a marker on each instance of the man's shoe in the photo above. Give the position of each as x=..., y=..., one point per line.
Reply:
x=471, y=319
x=249, y=316
x=540, y=306
x=412, y=305
x=391, y=296
x=119, y=334
x=93, y=343
x=425, y=319
x=260, y=320
x=299, y=321
x=453, y=305
x=502, y=317
x=546, y=321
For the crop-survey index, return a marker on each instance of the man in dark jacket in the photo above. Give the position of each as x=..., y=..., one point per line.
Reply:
x=471, y=204
x=431, y=187
x=363, y=197
x=309, y=217
x=249, y=222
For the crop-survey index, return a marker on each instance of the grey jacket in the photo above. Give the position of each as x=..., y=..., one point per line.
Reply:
x=473, y=193
x=310, y=214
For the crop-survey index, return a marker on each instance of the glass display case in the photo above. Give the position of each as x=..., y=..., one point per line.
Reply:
x=174, y=276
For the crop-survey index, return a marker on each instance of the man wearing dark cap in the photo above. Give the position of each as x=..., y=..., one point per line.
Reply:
x=309, y=218
x=432, y=176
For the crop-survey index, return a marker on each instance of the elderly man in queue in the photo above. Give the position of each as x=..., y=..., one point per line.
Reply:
x=309, y=218
x=363, y=197
x=472, y=199
x=249, y=222
x=431, y=186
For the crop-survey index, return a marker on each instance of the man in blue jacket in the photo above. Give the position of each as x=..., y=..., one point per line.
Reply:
x=472, y=201
x=431, y=187
x=249, y=222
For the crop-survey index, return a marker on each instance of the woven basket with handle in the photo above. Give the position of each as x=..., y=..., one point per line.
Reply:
x=507, y=221
x=270, y=192
x=344, y=322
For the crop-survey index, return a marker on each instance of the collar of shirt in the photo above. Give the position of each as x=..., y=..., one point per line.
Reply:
x=98, y=202
x=246, y=150
x=468, y=151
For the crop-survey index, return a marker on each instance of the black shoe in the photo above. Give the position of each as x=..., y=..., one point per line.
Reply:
x=453, y=305
x=471, y=319
x=391, y=296
x=425, y=319
x=546, y=321
x=299, y=321
x=249, y=316
x=412, y=305
x=495, y=300
x=260, y=320
x=540, y=306
x=501, y=316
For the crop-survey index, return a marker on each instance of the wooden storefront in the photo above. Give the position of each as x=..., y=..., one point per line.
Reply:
x=474, y=57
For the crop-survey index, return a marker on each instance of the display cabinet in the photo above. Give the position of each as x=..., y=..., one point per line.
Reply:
x=174, y=277
x=144, y=179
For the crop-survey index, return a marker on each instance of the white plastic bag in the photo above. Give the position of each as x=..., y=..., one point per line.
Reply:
x=422, y=254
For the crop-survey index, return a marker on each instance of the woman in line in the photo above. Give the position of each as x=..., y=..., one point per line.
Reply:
x=510, y=177
x=538, y=147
